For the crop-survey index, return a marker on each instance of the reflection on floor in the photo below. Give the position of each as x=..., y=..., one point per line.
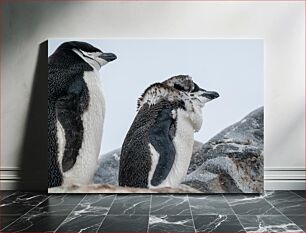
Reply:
x=275, y=211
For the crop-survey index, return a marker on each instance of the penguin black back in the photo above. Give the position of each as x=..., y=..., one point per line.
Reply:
x=64, y=68
x=68, y=99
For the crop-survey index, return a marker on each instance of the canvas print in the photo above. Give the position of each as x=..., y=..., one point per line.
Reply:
x=155, y=115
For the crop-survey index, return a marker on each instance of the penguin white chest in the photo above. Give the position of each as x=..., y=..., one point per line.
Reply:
x=183, y=142
x=93, y=118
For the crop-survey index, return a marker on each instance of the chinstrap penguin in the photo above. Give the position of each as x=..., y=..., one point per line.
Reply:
x=157, y=149
x=76, y=109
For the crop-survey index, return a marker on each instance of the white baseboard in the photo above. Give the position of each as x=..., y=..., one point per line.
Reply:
x=284, y=178
x=284, y=184
x=10, y=179
x=8, y=185
x=276, y=178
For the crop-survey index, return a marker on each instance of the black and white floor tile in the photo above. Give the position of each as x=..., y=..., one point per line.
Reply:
x=130, y=205
x=217, y=223
x=171, y=205
x=5, y=194
x=274, y=211
x=268, y=223
x=171, y=223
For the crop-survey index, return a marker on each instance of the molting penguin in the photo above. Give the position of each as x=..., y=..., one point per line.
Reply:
x=76, y=109
x=158, y=146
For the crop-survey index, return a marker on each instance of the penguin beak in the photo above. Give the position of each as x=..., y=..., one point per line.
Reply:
x=210, y=94
x=108, y=57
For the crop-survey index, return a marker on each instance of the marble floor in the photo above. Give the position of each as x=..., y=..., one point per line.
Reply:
x=275, y=211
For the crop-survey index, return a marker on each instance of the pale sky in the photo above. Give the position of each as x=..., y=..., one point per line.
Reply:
x=232, y=67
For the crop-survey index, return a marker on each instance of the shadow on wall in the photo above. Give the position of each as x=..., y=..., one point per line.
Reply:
x=33, y=162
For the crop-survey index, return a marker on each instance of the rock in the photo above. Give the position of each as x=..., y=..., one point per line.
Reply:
x=232, y=161
x=107, y=173
x=196, y=146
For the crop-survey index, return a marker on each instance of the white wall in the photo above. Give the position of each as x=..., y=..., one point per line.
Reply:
x=280, y=24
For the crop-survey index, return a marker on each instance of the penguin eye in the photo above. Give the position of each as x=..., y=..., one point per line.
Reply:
x=179, y=87
x=195, y=88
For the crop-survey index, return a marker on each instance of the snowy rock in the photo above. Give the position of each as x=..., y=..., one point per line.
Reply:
x=107, y=173
x=232, y=161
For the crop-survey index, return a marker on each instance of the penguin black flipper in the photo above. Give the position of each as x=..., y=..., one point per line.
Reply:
x=160, y=136
x=69, y=109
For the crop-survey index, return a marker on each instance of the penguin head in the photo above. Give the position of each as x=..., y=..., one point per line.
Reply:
x=90, y=54
x=180, y=87
x=202, y=96
x=184, y=83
